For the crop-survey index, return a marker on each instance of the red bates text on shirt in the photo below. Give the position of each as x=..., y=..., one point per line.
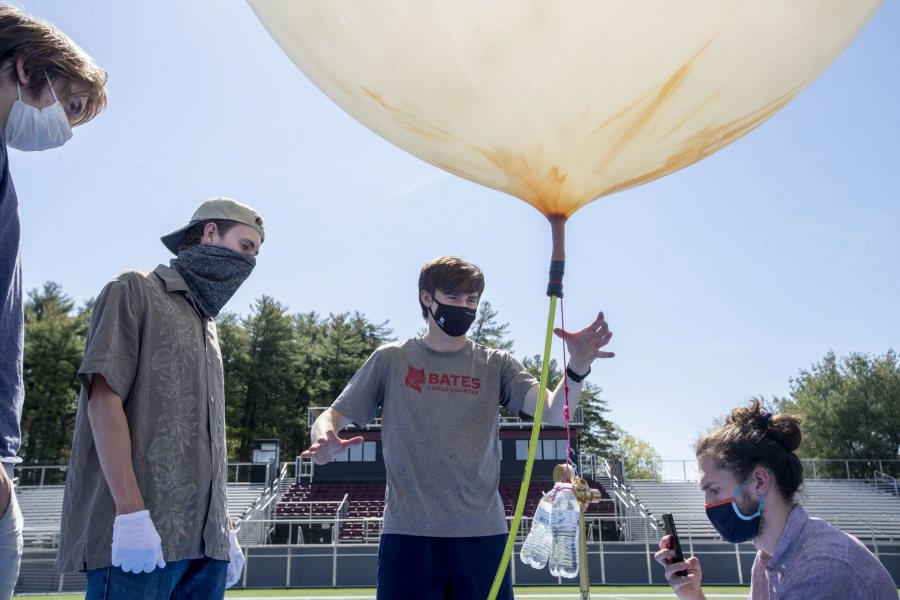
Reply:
x=444, y=382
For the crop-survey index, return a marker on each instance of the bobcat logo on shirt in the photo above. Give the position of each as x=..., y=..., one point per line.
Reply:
x=415, y=378
x=442, y=382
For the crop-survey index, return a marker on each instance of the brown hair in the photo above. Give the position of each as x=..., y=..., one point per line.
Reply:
x=194, y=233
x=47, y=52
x=450, y=275
x=754, y=437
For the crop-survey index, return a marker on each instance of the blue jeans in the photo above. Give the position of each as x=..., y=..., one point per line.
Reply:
x=178, y=580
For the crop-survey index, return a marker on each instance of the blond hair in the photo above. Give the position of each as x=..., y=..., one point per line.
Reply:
x=46, y=52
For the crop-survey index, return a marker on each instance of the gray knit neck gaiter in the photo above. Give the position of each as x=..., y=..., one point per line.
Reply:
x=213, y=274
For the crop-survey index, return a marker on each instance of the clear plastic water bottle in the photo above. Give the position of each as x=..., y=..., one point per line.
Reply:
x=566, y=528
x=536, y=549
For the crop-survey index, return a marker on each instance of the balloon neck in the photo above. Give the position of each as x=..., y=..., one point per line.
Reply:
x=557, y=255
x=554, y=285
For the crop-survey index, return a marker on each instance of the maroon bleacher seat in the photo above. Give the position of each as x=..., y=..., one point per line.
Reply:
x=366, y=501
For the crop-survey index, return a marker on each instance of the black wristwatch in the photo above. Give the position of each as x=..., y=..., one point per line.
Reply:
x=575, y=376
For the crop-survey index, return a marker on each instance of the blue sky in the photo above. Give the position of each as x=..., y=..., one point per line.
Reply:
x=720, y=282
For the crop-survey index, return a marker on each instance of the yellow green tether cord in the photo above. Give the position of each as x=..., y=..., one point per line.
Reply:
x=532, y=448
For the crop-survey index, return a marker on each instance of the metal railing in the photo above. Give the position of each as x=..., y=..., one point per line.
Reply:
x=813, y=468
x=597, y=527
x=41, y=475
x=505, y=420
x=886, y=481
x=237, y=469
x=304, y=469
x=635, y=520
x=331, y=566
x=263, y=509
x=848, y=468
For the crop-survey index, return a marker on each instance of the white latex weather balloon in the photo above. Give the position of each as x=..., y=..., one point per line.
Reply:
x=561, y=103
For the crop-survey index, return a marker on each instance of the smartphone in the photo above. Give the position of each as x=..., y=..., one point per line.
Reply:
x=675, y=544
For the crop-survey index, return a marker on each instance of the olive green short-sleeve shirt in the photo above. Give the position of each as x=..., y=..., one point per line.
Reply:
x=163, y=359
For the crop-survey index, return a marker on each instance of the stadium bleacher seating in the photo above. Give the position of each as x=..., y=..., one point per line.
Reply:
x=509, y=493
x=856, y=506
x=241, y=497
x=42, y=508
x=869, y=512
x=365, y=504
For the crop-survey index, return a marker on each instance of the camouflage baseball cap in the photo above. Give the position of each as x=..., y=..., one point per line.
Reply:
x=218, y=209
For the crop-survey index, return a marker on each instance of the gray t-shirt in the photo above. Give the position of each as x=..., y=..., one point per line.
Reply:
x=440, y=440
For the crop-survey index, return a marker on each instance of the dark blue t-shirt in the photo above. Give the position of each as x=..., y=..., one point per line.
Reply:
x=12, y=316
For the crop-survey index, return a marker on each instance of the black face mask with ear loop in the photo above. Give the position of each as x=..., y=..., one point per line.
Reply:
x=453, y=320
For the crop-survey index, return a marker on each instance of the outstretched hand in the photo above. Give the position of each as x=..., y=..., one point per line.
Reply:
x=325, y=449
x=585, y=345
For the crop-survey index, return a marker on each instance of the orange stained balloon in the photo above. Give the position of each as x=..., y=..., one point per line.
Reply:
x=562, y=103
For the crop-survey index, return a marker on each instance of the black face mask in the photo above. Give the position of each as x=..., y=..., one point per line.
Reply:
x=453, y=320
x=213, y=274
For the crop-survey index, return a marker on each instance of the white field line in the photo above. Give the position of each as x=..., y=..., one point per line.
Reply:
x=522, y=596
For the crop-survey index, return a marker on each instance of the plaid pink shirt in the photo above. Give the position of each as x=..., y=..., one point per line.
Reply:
x=814, y=560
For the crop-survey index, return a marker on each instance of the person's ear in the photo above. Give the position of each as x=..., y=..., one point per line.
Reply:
x=21, y=72
x=761, y=481
x=210, y=230
x=425, y=298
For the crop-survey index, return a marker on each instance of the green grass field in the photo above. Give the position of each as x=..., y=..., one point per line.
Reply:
x=522, y=593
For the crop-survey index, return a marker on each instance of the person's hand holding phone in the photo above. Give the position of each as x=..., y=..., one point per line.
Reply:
x=683, y=575
x=674, y=542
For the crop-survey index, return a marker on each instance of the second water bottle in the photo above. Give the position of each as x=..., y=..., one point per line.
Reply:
x=536, y=549
x=565, y=526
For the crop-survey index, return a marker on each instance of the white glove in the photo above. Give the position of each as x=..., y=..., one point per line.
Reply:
x=236, y=557
x=136, y=545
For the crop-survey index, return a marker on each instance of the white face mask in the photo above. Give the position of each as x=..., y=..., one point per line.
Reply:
x=29, y=128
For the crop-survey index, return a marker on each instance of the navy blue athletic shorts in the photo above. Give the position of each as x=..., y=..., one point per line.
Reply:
x=436, y=568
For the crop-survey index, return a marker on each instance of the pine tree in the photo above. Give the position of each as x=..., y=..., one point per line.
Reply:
x=278, y=365
x=347, y=341
x=598, y=434
x=269, y=378
x=54, y=348
x=234, y=343
x=487, y=331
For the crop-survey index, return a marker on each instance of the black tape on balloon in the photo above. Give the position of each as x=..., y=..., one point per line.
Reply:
x=554, y=286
